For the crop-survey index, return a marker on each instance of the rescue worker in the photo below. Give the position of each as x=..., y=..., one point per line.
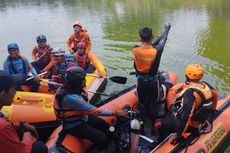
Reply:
x=79, y=116
x=17, y=64
x=193, y=103
x=82, y=58
x=9, y=132
x=79, y=35
x=42, y=55
x=60, y=67
x=147, y=58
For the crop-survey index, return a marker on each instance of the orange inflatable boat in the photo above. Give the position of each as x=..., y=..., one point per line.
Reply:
x=208, y=142
x=117, y=102
x=38, y=107
x=22, y=97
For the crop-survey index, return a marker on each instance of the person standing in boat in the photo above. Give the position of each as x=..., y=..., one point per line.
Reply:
x=60, y=67
x=190, y=105
x=147, y=58
x=12, y=138
x=82, y=58
x=17, y=64
x=79, y=35
x=42, y=55
x=79, y=117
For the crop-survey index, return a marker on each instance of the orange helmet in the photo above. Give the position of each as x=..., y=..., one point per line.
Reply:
x=77, y=23
x=194, y=72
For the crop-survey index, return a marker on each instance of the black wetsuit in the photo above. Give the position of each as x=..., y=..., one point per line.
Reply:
x=148, y=84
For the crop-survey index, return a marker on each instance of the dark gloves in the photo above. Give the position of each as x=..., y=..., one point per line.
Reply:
x=177, y=140
x=162, y=39
x=167, y=28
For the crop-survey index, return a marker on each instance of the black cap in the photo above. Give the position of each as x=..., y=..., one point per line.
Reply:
x=75, y=73
x=7, y=81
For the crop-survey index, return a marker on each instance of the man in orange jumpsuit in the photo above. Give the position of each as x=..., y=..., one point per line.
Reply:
x=79, y=35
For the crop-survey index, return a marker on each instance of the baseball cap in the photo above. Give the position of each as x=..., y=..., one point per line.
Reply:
x=7, y=81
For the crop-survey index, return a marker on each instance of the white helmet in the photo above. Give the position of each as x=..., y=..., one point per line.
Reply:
x=58, y=51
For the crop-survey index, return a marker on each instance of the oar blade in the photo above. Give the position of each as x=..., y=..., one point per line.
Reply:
x=118, y=79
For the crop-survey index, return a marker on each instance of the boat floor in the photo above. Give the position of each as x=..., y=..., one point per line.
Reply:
x=143, y=145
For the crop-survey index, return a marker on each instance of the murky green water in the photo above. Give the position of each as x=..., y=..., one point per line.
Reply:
x=200, y=32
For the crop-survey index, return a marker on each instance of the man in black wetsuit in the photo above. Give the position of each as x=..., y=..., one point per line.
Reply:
x=147, y=58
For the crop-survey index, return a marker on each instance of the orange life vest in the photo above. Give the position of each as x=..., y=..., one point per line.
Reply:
x=62, y=113
x=43, y=54
x=144, y=58
x=79, y=38
x=203, y=101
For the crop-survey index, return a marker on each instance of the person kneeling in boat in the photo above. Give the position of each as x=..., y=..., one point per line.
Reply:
x=79, y=35
x=194, y=101
x=82, y=58
x=18, y=137
x=79, y=116
x=60, y=67
x=17, y=64
x=42, y=56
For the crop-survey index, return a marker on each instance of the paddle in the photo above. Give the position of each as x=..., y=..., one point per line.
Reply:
x=41, y=56
x=116, y=79
x=132, y=73
x=59, y=84
x=30, y=78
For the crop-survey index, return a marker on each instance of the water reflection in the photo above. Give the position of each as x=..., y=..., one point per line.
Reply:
x=199, y=31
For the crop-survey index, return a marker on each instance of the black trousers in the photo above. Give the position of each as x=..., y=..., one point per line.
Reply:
x=95, y=130
x=170, y=124
x=40, y=66
x=39, y=147
x=148, y=95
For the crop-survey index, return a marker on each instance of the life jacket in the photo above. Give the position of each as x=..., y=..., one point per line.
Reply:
x=61, y=77
x=61, y=69
x=62, y=113
x=144, y=58
x=203, y=108
x=82, y=60
x=11, y=66
x=43, y=54
x=79, y=38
